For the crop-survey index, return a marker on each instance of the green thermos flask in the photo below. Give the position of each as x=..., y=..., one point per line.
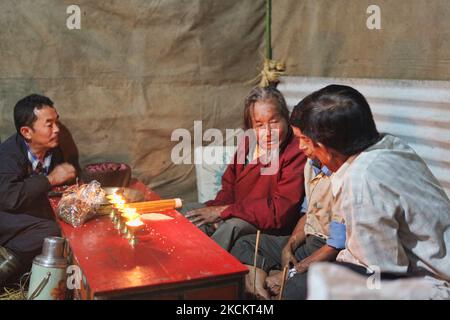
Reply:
x=48, y=273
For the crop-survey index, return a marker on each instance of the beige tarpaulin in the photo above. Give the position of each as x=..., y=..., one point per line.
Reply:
x=329, y=38
x=134, y=72
x=139, y=69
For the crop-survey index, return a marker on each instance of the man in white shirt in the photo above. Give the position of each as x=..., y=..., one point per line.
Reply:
x=396, y=214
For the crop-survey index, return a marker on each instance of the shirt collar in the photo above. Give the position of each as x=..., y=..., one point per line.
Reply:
x=317, y=167
x=34, y=160
x=337, y=179
x=326, y=171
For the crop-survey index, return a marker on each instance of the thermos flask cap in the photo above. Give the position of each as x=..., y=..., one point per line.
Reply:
x=52, y=253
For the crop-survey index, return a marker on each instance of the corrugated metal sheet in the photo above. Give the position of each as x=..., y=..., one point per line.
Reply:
x=417, y=111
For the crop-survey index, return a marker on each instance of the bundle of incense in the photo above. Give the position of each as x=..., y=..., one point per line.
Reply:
x=156, y=205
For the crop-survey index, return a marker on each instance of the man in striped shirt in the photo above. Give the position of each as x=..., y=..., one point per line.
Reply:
x=395, y=212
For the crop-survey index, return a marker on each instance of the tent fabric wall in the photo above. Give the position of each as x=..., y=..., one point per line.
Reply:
x=329, y=38
x=135, y=71
x=327, y=41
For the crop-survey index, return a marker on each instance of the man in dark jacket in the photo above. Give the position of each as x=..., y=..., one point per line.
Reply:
x=30, y=165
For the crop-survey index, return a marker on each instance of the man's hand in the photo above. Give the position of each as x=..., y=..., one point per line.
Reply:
x=288, y=253
x=297, y=238
x=205, y=215
x=288, y=256
x=61, y=174
x=302, y=266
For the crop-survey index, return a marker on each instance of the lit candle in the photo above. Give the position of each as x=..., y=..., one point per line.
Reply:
x=118, y=203
x=119, y=206
x=133, y=226
x=135, y=223
x=130, y=214
x=115, y=199
x=127, y=214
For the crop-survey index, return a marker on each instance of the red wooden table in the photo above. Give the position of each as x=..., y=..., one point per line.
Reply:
x=172, y=260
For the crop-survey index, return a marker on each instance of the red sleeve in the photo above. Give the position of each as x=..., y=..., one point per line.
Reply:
x=281, y=208
x=226, y=194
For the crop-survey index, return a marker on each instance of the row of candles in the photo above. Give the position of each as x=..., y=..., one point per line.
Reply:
x=126, y=217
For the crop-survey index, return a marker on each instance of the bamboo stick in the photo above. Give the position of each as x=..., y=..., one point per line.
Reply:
x=283, y=282
x=258, y=233
x=268, y=31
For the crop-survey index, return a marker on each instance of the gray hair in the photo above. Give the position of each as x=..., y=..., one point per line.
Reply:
x=264, y=94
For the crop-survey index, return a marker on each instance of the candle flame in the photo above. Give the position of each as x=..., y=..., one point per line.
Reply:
x=116, y=200
x=130, y=214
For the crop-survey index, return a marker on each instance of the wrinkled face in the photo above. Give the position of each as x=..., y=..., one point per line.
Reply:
x=269, y=125
x=44, y=133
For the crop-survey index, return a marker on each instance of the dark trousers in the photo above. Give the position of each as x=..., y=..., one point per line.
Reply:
x=227, y=232
x=24, y=235
x=269, y=251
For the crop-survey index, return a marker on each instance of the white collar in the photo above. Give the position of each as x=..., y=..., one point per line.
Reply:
x=338, y=177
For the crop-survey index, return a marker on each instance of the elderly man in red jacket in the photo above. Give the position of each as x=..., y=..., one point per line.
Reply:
x=252, y=198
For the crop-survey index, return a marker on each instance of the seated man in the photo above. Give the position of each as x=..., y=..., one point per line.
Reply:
x=257, y=193
x=30, y=164
x=397, y=214
x=307, y=244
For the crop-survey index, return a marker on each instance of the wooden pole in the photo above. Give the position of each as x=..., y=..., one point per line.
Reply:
x=258, y=233
x=268, y=31
x=283, y=282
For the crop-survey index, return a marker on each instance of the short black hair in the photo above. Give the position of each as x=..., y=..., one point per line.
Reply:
x=337, y=116
x=24, y=115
